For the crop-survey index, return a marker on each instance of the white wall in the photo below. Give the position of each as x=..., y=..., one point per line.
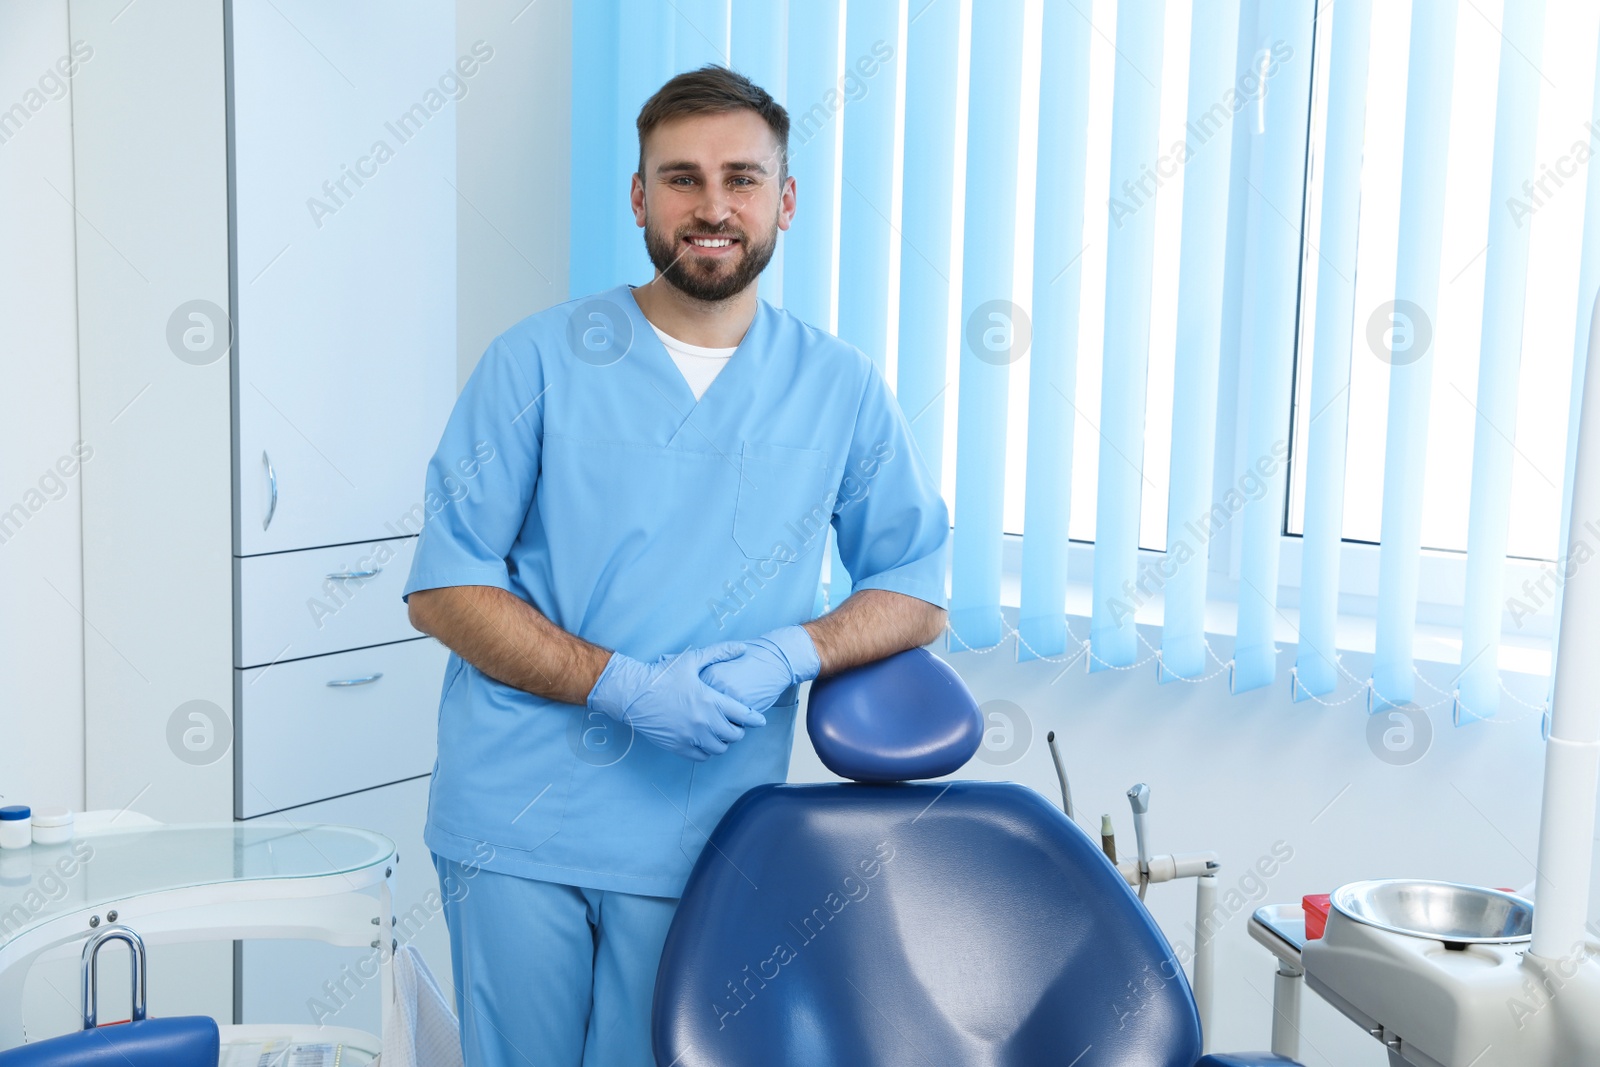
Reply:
x=514, y=141
x=151, y=182
x=41, y=587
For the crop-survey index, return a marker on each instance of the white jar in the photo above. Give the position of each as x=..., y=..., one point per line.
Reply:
x=52, y=826
x=16, y=828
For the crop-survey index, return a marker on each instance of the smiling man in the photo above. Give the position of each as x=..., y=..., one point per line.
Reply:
x=628, y=585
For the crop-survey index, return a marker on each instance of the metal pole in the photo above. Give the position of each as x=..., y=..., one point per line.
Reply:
x=1205, y=957
x=1286, y=986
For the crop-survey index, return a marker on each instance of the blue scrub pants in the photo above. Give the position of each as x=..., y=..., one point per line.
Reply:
x=551, y=975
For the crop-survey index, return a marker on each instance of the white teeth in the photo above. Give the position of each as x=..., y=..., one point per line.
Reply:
x=706, y=242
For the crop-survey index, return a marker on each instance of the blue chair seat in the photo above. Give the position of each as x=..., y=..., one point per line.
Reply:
x=963, y=924
x=959, y=923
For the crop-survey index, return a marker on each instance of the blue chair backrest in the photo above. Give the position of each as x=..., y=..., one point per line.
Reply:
x=959, y=923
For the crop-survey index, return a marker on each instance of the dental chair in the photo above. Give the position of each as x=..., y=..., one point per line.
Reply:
x=889, y=922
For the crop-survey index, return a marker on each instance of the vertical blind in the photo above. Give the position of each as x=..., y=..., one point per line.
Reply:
x=1273, y=225
x=1058, y=243
x=1505, y=280
x=1422, y=191
x=1203, y=261
x=989, y=336
x=1316, y=663
x=1130, y=262
x=906, y=244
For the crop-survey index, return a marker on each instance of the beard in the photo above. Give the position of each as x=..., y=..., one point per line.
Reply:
x=705, y=279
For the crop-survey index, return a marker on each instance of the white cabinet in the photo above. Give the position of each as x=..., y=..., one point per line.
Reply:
x=343, y=210
x=312, y=982
x=266, y=346
x=344, y=260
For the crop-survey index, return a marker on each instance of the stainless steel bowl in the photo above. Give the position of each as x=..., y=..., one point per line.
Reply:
x=1440, y=911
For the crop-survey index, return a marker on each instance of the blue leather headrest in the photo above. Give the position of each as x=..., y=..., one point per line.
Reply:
x=907, y=716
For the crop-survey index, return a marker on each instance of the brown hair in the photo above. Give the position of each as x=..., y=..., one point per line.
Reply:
x=711, y=90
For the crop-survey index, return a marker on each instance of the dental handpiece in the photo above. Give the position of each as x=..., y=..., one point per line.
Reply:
x=1139, y=799
x=1061, y=774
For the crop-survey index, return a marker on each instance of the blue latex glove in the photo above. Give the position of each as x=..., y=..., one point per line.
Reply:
x=769, y=665
x=668, y=704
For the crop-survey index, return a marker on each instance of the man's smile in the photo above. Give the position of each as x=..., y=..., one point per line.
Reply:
x=712, y=245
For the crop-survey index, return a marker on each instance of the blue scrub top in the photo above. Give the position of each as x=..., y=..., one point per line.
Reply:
x=578, y=472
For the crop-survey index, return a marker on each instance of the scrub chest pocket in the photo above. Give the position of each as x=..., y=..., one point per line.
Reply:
x=785, y=501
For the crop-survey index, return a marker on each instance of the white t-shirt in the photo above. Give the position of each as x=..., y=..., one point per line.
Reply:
x=699, y=366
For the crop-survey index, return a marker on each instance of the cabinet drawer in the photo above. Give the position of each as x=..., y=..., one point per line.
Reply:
x=321, y=600
x=302, y=739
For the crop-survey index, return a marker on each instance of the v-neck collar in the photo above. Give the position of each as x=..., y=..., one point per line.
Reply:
x=676, y=391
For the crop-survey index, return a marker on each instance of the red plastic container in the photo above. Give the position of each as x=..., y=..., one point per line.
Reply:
x=1316, y=908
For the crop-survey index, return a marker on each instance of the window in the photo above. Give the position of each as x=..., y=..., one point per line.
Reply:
x=1554, y=210
x=1168, y=205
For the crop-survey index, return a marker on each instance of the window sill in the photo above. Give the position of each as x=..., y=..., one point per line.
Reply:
x=1524, y=649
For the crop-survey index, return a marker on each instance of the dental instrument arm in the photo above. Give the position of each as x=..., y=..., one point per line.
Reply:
x=1202, y=867
x=1139, y=799
x=870, y=625
x=1061, y=774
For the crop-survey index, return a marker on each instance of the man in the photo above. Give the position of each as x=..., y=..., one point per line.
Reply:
x=641, y=483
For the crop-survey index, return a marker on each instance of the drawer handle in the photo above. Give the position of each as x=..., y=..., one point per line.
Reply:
x=357, y=681
x=272, y=491
x=345, y=576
